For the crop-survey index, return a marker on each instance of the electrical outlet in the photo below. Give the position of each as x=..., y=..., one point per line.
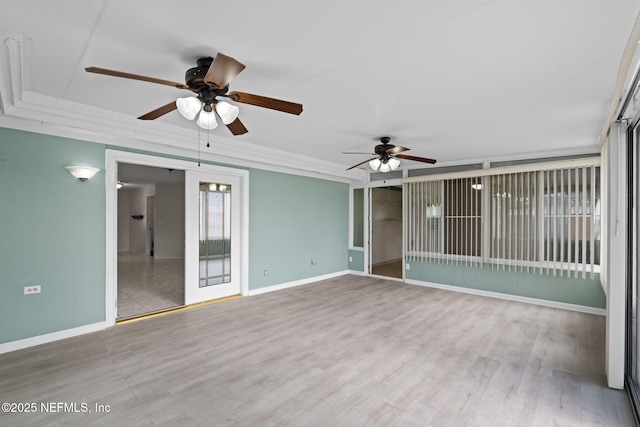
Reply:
x=408, y=266
x=33, y=289
x=266, y=272
x=350, y=259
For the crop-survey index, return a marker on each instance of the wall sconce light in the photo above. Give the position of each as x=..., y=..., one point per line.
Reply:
x=119, y=185
x=83, y=173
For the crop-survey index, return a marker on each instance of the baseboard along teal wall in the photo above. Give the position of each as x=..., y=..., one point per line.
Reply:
x=52, y=234
x=533, y=284
x=298, y=227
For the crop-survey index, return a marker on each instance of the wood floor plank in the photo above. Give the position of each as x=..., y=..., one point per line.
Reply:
x=346, y=351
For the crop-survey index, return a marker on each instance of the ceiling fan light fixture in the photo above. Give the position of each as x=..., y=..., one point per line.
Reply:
x=189, y=107
x=394, y=163
x=227, y=112
x=207, y=120
x=375, y=164
x=385, y=167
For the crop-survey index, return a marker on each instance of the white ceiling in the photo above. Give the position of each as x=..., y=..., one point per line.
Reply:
x=458, y=81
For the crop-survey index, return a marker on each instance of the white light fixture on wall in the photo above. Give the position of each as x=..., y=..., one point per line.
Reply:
x=83, y=173
x=190, y=106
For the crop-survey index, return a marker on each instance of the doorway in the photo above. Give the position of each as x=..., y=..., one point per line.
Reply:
x=150, y=253
x=633, y=272
x=151, y=218
x=386, y=231
x=188, y=239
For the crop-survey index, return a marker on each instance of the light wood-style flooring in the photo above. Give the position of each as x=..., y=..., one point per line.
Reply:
x=350, y=351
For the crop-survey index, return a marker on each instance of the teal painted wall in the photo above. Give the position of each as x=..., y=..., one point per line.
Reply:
x=586, y=292
x=52, y=234
x=357, y=260
x=293, y=219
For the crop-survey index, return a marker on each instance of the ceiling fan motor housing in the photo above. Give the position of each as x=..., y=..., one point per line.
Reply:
x=382, y=148
x=194, y=78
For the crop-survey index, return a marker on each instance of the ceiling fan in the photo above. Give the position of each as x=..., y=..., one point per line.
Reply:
x=209, y=80
x=387, y=156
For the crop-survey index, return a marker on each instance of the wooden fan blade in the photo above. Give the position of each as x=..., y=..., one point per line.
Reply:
x=223, y=69
x=362, y=163
x=263, y=101
x=237, y=128
x=152, y=115
x=397, y=149
x=135, y=77
x=417, y=159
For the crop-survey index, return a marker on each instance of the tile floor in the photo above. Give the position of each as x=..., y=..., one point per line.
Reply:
x=147, y=284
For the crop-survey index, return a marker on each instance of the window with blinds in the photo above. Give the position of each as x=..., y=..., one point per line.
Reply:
x=513, y=219
x=545, y=220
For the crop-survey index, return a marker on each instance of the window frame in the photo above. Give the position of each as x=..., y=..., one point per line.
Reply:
x=485, y=217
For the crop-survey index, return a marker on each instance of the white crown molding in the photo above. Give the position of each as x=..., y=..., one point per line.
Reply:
x=30, y=111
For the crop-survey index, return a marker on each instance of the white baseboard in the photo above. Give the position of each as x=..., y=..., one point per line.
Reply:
x=528, y=300
x=299, y=282
x=355, y=272
x=53, y=336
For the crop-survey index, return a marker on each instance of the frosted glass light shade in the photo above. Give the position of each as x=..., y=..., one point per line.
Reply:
x=207, y=120
x=227, y=112
x=83, y=173
x=394, y=163
x=188, y=107
x=375, y=164
x=384, y=167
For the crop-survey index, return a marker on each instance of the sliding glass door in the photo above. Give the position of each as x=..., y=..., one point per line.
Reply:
x=633, y=282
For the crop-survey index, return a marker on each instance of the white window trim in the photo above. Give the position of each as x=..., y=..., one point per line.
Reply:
x=485, y=250
x=530, y=167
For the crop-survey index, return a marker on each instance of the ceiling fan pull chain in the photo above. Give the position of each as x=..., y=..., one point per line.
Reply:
x=198, y=146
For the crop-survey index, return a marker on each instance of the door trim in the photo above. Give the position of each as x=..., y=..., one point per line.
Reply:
x=193, y=293
x=368, y=268
x=112, y=158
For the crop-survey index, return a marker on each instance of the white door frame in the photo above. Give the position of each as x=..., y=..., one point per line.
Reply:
x=368, y=228
x=112, y=158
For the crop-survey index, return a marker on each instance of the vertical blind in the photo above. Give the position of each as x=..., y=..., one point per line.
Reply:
x=546, y=221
